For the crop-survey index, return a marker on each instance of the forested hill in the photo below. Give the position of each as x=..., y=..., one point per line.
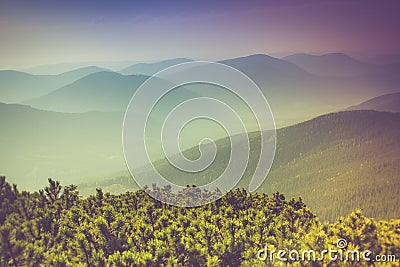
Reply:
x=54, y=227
x=337, y=163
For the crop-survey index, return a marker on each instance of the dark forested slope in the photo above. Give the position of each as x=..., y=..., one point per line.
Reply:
x=337, y=163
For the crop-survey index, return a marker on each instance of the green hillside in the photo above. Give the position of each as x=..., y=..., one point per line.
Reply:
x=340, y=162
x=337, y=163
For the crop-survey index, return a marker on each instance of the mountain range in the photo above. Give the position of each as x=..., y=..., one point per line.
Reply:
x=151, y=68
x=294, y=93
x=59, y=68
x=336, y=162
x=334, y=64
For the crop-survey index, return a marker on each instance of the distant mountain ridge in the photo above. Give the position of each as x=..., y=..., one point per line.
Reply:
x=79, y=73
x=388, y=103
x=16, y=86
x=272, y=67
x=295, y=94
x=334, y=64
x=100, y=91
x=151, y=68
x=287, y=87
x=59, y=68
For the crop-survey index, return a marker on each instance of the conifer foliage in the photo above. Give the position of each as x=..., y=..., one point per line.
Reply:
x=56, y=227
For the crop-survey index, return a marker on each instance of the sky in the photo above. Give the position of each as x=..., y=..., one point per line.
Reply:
x=39, y=32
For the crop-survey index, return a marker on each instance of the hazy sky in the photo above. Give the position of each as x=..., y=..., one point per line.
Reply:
x=44, y=32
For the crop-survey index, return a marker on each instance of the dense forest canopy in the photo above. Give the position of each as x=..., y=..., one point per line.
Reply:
x=57, y=227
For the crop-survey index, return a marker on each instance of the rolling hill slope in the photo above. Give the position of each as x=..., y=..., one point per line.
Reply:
x=339, y=162
x=101, y=91
x=37, y=144
x=336, y=163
